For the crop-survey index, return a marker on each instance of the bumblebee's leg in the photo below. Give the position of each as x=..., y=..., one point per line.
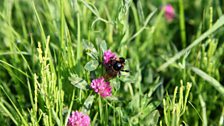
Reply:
x=125, y=70
x=119, y=73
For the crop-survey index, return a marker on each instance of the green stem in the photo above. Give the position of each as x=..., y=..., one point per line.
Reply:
x=182, y=24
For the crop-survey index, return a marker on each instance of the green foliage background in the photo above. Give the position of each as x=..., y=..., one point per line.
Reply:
x=175, y=67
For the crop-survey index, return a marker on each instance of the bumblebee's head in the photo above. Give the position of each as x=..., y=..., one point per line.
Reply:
x=117, y=66
x=121, y=60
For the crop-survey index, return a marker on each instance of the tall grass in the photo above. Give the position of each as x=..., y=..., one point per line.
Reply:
x=51, y=51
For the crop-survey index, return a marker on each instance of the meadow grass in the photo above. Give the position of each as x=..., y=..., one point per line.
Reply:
x=52, y=49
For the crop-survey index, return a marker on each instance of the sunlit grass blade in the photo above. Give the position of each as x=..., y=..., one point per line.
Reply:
x=43, y=36
x=70, y=109
x=56, y=117
x=7, y=112
x=209, y=79
x=219, y=23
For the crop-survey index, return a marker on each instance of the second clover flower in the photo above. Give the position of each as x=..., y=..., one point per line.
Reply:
x=78, y=119
x=101, y=87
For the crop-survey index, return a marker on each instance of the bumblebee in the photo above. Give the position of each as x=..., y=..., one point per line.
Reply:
x=114, y=68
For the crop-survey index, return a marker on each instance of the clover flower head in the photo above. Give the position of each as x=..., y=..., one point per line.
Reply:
x=169, y=12
x=101, y=87
x=107, y=56
x=78, y=119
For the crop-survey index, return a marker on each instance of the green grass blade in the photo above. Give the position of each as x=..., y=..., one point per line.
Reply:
x=40, y=24
x=56, y=117
x=15, y=107
x=70, y=109
x=6, y=111
x=7, y=64
x=182, y=24
x=209, y=79
x=145, y=24
x=219, y=23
